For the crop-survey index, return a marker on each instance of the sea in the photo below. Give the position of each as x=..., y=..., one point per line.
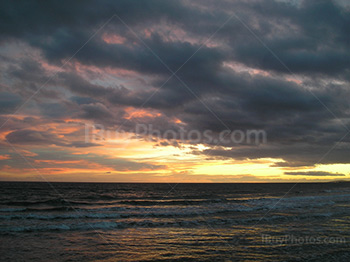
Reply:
x=174, y=222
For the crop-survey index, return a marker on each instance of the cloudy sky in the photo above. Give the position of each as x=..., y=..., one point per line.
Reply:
x=76, y=70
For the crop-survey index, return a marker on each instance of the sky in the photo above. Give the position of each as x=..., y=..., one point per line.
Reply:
x=169, y=91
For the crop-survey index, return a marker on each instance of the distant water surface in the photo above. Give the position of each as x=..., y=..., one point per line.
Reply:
x=174, y=222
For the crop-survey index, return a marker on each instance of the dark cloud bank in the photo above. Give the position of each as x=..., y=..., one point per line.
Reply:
x=288, y=74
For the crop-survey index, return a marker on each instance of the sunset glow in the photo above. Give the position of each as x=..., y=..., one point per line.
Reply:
x=109, y=101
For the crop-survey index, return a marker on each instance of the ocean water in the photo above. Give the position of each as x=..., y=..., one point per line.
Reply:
x=174, y=222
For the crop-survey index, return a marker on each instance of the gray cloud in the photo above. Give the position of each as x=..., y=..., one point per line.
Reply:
x=9, y=102
x=313, y=173
x=43, y=138
x=311, y=38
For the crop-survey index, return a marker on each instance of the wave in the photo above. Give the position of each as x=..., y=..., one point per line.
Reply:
x=161, y=201
x=12, y=209
x=139, y=212
x=56, y=201
x=165, y=210
x=104, y=225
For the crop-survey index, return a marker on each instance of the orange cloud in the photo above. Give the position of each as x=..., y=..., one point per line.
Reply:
x=4, y=157
x=241, y=68
x=113, y=39
x=103, y=71
x=140, y=113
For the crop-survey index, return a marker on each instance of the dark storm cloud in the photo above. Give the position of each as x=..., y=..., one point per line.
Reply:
x=29, y=19
x=27, y=75
x=316, y=25
x=42, y=138
x=33, y=137
x=54, y=110
x=310, y=38
x=137, y=56
x=96, y=111
x=9, y=102
x=293, y=154
x=313, y=173
x=48, y=159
